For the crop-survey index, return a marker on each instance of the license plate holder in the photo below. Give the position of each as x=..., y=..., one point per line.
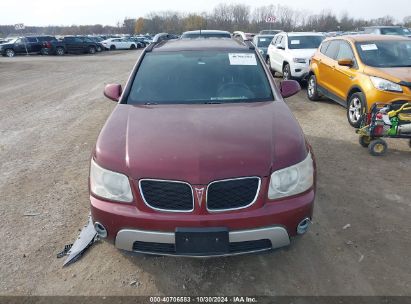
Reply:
x=202, y=241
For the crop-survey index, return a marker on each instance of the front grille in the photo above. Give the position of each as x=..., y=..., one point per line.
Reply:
x=165, y=248
x=167, y=195
x=232, y=194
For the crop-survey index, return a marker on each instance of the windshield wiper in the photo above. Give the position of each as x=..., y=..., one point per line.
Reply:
x=213, y=102
x=151, y=104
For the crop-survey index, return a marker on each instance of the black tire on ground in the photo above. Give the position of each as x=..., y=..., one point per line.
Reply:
x=9, y=53
x=112, y=47
x=365, y=141
x=356, y=109
x=91, y=50
x=132, y=47
x=312, y=89
x=60, y=51
x=378, y=147
x=45, y=51
x=287, y=72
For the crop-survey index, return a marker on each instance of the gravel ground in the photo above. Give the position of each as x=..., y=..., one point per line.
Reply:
x=52, y=109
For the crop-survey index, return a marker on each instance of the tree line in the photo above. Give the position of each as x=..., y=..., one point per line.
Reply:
x=230, y=17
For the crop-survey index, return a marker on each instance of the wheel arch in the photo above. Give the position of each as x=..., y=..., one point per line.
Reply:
x=356, y=89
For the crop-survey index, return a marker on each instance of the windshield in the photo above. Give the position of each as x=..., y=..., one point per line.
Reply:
x=192, y=77
x=385, y=54
x=395, y=31
x=304, y=42
x=264, y=42
x=11, y=41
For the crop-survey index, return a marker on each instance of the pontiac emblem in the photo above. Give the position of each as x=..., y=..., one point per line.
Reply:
x=199, y=192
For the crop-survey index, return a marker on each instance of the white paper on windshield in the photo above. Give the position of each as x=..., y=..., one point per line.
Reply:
x=242, y=59
x=295, y=42
x=369, y=47
x=263, y=39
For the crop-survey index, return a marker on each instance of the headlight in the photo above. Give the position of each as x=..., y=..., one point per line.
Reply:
x=299, y=60
x=385, y=85
x=292, y=180
x=110, y=185
x=261, y=51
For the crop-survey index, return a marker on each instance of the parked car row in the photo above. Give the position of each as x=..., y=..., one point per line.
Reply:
x=356, y=71
x=50, y=45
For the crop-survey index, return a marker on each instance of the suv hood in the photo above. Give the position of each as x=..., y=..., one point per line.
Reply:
x=393, y=74
x=200, y=143
x=303, y=53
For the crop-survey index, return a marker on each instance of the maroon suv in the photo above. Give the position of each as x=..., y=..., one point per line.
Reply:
x=201, y=156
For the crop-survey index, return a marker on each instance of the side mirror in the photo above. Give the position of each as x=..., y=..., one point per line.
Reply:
x=113, y=91
x=280, y=47
x=346, y=62
x=289, y=88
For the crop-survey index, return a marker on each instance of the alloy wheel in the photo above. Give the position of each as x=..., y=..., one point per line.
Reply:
x=286, y=73
x=355, y=110
x=311, y=87
x=10, y=53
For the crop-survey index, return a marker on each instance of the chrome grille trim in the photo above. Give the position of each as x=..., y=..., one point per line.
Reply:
x=233, y=179
x=166, y=181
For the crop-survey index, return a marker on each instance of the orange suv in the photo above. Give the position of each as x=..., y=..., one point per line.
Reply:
x=358, y=71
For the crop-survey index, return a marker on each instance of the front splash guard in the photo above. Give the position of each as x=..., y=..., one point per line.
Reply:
x=88, y=236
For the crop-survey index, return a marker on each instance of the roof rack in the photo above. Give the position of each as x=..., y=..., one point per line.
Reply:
x=156, y=40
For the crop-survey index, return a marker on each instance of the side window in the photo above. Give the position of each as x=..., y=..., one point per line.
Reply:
x=69, y=39
x=31, y=39
x=332, y=49
x=324, y=47
x=345, y=51
x=279, y=39
x=78, y=40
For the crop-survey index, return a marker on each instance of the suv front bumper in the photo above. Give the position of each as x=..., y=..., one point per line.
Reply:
x=240, y=242
x=253, y=229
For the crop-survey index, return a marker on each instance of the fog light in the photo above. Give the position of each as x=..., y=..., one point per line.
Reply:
x=101, y=230
x=303, y=226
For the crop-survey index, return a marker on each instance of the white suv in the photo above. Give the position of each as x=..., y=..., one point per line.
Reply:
x=290, y=53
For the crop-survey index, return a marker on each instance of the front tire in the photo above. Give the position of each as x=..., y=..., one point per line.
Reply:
x=312, y=89
x=286, y=72
x=356, y=109
x=91, y=50
x=10, y=53
x=112, y=47
x=132, y=47
x=365, y=141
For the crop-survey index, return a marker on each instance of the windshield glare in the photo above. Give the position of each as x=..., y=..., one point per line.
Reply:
x=191, y=77
x=385, y=54
x=304, y=42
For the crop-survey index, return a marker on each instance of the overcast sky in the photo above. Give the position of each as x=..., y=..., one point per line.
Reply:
x=52, y=12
